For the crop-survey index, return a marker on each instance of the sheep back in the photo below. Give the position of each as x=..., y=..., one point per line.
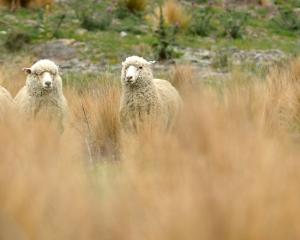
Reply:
x=159, y=105
x=169, y=100
x=138, y=107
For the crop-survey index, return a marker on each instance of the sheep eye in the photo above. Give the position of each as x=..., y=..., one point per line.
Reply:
x=140, y=67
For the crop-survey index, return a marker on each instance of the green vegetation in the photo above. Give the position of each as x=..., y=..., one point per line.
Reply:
x=287, y=19
x=165, y=39
x=99, y=25
x=202, y=24
x=234, y=23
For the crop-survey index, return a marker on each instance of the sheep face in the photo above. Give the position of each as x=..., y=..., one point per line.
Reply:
x=44, y=74
x=45, y=79
x=135, y=71
x=132, y=73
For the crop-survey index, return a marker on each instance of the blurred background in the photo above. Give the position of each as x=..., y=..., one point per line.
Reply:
x=229, y=170
x=92, y=36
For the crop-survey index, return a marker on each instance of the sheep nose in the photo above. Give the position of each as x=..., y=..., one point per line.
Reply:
x=48, y=83
x=129, y=77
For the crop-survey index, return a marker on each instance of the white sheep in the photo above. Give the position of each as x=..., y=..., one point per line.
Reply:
x=144, y=98
x=42, y=94
x=6, y=102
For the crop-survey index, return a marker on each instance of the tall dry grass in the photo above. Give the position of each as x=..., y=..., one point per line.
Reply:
x=11, y=75
x=229, y=170
x=95, y=116
x=184, y=78
x=174, y=14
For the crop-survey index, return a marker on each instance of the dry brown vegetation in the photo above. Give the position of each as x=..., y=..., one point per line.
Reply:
x=184, y=78
x=174, y=14
x=135, y=5
x=16, y=4
x=230, y=169
x=260, y=2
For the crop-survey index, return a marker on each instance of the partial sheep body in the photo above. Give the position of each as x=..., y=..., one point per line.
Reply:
x=6, y=101
x=146, y=99
x=171, y=102
x=42, y=96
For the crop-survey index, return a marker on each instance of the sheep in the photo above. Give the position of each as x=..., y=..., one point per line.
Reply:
x=6, y=102
x=144, y=98
x=42, y=94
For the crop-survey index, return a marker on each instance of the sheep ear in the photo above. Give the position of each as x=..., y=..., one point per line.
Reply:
x=152, y=62
x=123, y=64
x=27, y=70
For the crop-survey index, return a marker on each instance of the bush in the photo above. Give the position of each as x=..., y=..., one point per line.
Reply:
x=16, y=40
x=293, y=3
x=287, y=19
x=48, y=27
x=201, y=24
x=165, y=39
x=121, y=11
x=96, y=22
x=233, y=23
x=89, y=17
x=130, y=24
x=133, y=5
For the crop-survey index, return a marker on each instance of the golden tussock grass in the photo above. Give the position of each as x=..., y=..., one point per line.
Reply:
x=95, y=115
x=174, y=15
x=229, y=170
x=184, y=78
x=11, y=74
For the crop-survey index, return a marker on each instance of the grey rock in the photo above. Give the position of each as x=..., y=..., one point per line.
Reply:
x=57, y=50
x=31, y=22
x=81, y=31
x=258, y=57
x=201, y=57
x=123, y=34
x=10, y=18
